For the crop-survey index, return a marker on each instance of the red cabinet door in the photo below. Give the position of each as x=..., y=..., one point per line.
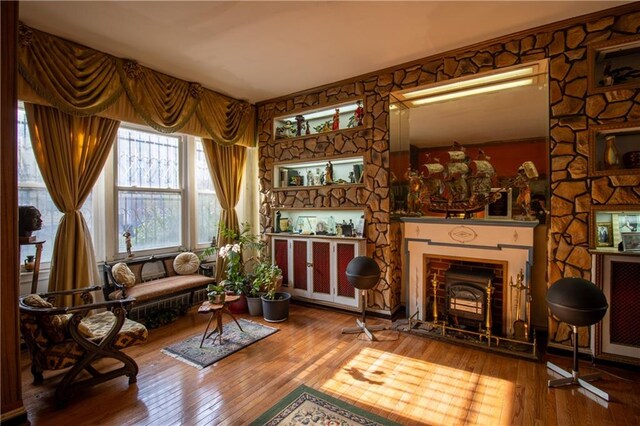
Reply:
x=321, y=255
x=345, y=252
x=281, y=258
x=300, y=278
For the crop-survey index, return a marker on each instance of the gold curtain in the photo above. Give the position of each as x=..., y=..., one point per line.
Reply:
x=226, y=166
x=71, y=77
x=82, y=81
x=71, y=152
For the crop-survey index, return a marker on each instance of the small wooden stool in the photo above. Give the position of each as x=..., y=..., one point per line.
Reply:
x=216, y=310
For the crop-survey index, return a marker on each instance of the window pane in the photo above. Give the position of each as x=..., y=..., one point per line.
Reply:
x=148, y=160
x=153, y=219
x=208, y=206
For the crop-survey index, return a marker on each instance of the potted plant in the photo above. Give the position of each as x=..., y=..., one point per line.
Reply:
x=263, y=275
x=216, y=293
x=275, y=304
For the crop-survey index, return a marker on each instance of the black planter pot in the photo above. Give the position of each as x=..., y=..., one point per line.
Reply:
x=255, y=305
x=276, y=310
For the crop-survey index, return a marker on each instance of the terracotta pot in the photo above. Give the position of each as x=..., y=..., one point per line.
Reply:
x=239, y=306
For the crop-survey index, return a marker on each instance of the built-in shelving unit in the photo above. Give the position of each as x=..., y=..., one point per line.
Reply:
x=306, y=123
x=610, y=225
x=614, y=64
x=315, y=173
x=625, y=138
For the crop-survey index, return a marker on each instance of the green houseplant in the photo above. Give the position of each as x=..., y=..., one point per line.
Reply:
x=216, y=293
x=263, y=275
x=275, y=304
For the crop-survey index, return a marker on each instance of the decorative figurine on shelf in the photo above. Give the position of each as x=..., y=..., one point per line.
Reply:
x=524, y=201
x=299, y=124
x=127, y=242
x=318, y=177
x=335, y=124
x=285, y=131
x=359, y=114
x=307, y=128
x=29, y=220
x=278, y=217
x=328, y=174
x=352, y=178
x=310, y=180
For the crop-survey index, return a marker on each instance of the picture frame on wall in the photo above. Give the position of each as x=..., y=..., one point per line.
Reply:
x=501, y=208
x=604, y=234
x=630, y=241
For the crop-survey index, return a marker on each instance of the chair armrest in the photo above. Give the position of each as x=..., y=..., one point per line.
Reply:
x=74, y=291
x=72, y=309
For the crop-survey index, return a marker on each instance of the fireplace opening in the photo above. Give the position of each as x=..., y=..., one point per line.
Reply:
x=466, y=300
x=461, y=294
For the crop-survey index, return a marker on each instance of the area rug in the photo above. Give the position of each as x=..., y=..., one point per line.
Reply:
x=306, y=406
x=190, y=352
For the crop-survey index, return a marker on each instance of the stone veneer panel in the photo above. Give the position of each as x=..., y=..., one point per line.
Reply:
x=572, y=112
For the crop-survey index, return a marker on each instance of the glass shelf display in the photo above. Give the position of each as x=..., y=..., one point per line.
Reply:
x=330, y=172
x=346, y=115
x=346, y=222
x=615, y=149
x=614, y=64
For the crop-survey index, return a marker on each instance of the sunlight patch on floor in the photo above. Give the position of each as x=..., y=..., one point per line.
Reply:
x=419, y=390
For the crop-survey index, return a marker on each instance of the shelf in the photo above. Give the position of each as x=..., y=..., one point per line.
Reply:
x=614, y=64
x=626, y=139
x=294, y=175
x=610, y=224
x=306, y=222
x=335, y=186
x=319, y=121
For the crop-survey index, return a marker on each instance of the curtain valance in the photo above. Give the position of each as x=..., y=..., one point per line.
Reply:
x=82, y=81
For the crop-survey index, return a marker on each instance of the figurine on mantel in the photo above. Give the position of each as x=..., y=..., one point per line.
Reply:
x=299, y=124
x=127, y=243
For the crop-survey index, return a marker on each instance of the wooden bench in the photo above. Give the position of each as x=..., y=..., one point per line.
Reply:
x=157, y=286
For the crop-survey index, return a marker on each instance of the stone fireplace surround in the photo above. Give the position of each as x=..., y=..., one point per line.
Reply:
x=508, y=242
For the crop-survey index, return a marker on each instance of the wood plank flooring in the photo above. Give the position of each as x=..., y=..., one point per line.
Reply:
x=409, y=379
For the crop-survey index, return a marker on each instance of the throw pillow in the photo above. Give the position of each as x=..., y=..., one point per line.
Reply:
x=186, y=263
x=123, y=275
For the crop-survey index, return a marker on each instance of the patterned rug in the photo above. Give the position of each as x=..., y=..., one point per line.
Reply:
x=190, y=352
x=306, y=406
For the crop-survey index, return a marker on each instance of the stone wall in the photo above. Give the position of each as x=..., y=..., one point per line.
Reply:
x=572, y=112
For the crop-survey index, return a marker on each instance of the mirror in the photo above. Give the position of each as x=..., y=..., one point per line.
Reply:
x=506, y=120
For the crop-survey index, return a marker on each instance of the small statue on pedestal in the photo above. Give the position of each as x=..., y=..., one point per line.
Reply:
x=359, y=114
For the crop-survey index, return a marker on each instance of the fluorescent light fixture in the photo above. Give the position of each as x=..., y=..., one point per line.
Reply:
x=325, y=113
x=476, y=91
x=521, y=72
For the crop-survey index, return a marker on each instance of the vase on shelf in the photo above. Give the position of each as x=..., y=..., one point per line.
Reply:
x=611, y=157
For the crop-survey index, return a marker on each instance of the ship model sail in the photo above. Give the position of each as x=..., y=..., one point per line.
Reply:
x=462, y=185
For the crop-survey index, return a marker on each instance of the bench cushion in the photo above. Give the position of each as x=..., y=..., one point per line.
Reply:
x=164, y=286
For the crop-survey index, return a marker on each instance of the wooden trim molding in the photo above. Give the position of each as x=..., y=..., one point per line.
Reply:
x=11, y=392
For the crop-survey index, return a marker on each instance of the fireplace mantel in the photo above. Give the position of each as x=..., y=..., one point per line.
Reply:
x=508, y=242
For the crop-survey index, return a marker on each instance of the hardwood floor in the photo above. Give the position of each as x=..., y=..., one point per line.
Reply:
x=409, y=379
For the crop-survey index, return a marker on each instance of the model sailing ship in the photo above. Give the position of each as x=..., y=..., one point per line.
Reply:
x=462, y=185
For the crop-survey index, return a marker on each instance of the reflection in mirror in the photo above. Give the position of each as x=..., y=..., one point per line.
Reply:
x=503, y=114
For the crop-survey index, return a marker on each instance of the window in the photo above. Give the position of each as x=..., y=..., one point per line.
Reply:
x=207, y=204
x=149, y=189
x=164, y=201
x=33, y=192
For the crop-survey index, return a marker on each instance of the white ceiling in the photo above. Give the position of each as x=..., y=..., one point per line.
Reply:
x=258, y=50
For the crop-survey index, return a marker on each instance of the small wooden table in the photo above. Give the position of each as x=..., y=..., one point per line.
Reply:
x=216, y=310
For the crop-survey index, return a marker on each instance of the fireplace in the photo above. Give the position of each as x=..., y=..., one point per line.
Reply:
x=433, y=245
x=467, y=300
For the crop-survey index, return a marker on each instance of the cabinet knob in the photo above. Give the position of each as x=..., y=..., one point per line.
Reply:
x=309, y=265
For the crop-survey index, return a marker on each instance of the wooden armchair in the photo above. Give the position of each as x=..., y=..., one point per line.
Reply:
x=63, y=337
